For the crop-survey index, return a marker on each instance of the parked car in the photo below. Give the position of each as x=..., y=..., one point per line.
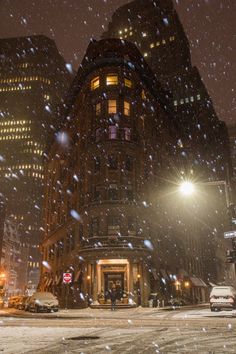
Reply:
x=12, y=301
x=43, y=302
x=1, y=303
x=222, y=297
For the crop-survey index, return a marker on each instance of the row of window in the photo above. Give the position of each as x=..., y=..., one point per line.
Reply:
x=187, y=100
x=31, y=151
x=29, y=174
x=61, y=247
x=113, y=193
x=112, y=108
x=33, y=264
x=23, y=167
x=162, y=42
x=113, y=163
x=25, y=79
x=15, y=130
x=15, y=137
x=114, y=226
x=15, y=122
x=113, y=133
x=15, y=88
x=111, y=80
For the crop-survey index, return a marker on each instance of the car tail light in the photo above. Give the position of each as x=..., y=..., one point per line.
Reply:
x=231, y=299
x=212, y=298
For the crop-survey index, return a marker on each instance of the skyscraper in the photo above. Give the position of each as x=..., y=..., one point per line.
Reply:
x=155, y=28
x=33, y=81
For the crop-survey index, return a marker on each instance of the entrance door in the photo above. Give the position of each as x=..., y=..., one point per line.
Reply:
x=114, y=280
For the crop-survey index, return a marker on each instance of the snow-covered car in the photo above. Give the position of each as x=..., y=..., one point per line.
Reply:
x=13, y=301
x=43, y=302
x=222, y=297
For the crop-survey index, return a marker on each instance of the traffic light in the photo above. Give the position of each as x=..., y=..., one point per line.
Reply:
x=231, y=256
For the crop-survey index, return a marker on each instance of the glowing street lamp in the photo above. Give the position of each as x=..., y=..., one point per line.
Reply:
x=187, y=188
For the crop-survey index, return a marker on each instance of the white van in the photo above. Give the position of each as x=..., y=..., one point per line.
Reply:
x=222, y=297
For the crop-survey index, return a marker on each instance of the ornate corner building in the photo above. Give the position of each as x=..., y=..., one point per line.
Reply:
x=100, y=176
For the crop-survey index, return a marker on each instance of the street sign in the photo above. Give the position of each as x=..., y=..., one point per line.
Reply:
x=230, y=234
x=67, y=278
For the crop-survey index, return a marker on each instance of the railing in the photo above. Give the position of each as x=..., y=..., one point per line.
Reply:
x=114, y=242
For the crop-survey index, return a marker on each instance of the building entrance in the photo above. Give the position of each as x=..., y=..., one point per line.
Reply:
x=114, y=280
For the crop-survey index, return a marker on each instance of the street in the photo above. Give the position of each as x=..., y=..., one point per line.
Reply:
x=140, y=330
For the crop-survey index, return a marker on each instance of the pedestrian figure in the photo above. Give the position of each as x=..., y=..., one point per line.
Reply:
x=113, y=297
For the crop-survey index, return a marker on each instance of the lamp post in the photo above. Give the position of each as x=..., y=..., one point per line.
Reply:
x=187, y=188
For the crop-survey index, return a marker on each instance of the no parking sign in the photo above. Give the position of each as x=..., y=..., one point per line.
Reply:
x=67, y=278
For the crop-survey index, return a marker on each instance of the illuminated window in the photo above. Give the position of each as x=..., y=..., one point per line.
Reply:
x=112, y=106
x=128, y=83
x=145, y=55
x=198, y=97
x=157, y=44
x=144, y=34
x=163, y=41
x=98, y=108
x=175, y=103
x=172, y=38
x=95, y=83
x=182, y=101
x=152, y=45
x=143, y=95
x=112, y=132
x=112, y=79
x=126, y=108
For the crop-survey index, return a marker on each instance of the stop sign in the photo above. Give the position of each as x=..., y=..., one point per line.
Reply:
x=67, y=278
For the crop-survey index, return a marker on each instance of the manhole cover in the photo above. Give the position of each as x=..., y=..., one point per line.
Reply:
x=84, y=338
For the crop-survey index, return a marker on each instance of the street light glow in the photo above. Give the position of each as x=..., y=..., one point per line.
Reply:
x=187, y=188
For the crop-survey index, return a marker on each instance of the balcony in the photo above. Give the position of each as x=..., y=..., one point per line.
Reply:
x=114, y=242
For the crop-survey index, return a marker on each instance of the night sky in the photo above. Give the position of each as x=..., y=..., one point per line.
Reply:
x=209, y=24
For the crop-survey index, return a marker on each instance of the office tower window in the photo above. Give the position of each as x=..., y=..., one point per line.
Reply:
x=128, y=83
x=95, y=83
x=113, y=132
x=98, y=109
x=112, y=106
x=126, y=108
x=112, y=79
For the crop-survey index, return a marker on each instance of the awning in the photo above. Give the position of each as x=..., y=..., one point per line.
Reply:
x=198, y=282
x=77, y=275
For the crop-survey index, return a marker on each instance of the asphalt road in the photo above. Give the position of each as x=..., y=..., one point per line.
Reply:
x=187, y=330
